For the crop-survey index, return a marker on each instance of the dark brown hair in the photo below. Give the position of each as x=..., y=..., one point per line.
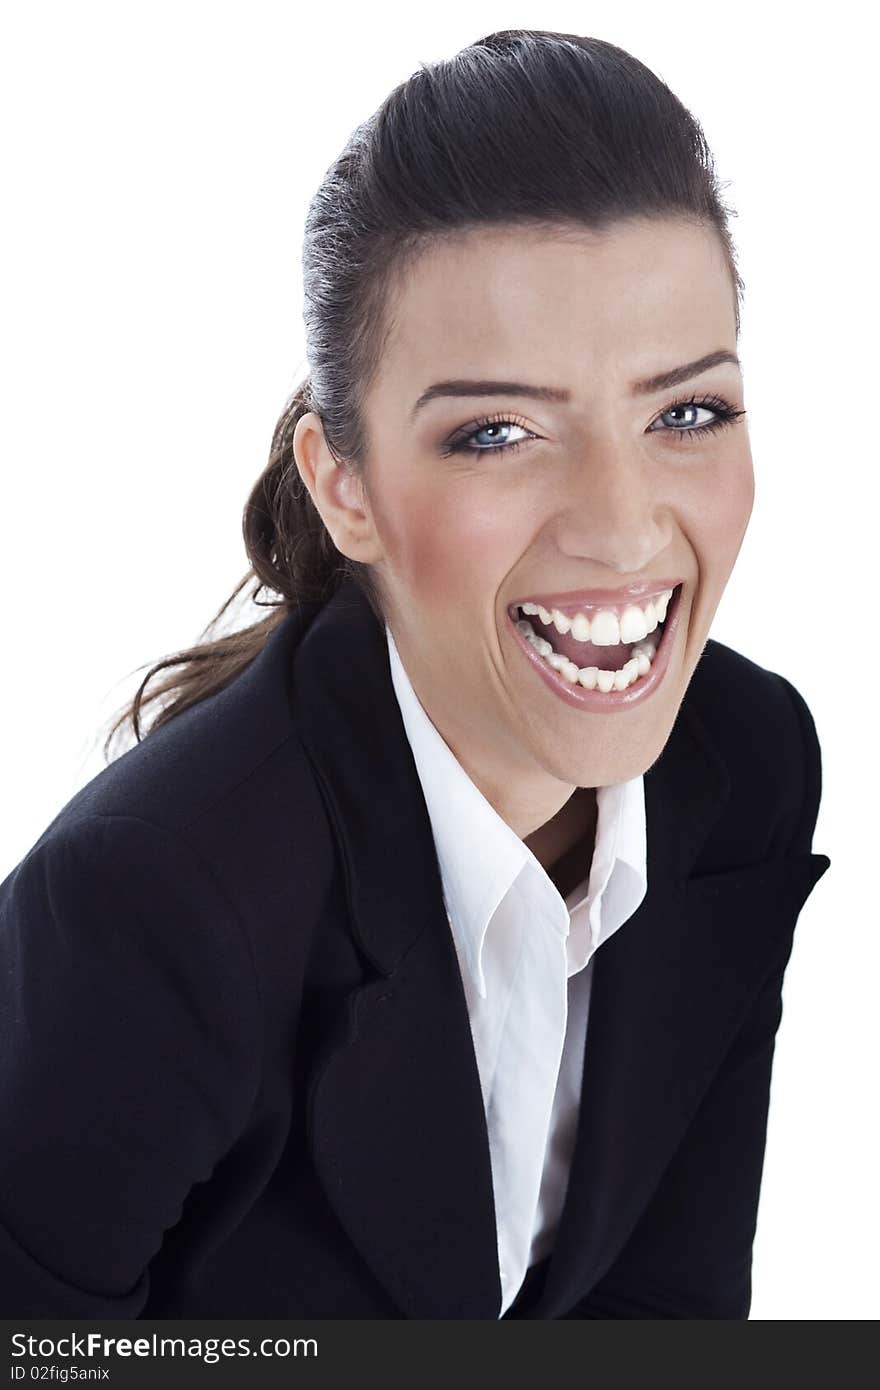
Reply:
x=524, y=127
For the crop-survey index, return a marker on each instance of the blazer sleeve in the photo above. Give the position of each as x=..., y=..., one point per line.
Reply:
x=130, y=1040
x=690, y=1256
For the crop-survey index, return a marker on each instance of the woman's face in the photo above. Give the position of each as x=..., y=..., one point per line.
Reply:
x=609, y=489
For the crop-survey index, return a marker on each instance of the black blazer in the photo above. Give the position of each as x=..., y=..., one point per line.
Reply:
x=236, y=1074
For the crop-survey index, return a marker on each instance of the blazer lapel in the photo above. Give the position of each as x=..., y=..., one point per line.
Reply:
x=395, y=1112
x=396, y=1120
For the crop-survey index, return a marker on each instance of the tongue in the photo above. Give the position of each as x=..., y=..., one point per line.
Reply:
x=583, y=653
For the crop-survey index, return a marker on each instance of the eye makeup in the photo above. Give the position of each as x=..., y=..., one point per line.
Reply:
x=725, y=415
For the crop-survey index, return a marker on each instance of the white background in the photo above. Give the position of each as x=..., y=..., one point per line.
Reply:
x=158, y=160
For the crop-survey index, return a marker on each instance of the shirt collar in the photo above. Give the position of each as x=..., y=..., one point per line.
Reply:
x=481, y=857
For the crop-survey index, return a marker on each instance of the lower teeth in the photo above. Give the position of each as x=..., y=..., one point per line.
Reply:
x=592, y=677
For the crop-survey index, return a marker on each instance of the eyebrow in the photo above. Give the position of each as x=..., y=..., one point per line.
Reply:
x=662, y=381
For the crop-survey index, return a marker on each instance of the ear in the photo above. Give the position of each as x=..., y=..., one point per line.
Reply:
x=337, y=492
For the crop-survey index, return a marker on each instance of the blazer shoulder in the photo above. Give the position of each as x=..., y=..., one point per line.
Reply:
x=763, y=730
x=228, y=787
x=233, y=753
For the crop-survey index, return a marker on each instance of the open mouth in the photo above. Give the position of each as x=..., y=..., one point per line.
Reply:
x=609, y=649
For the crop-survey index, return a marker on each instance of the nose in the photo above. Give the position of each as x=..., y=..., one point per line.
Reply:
x=611, y=511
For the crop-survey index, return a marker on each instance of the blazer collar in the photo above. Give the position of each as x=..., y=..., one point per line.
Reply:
x=395, y=1111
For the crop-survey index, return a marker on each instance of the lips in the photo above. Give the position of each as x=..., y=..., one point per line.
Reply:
x=586, y=600
x=577, y=694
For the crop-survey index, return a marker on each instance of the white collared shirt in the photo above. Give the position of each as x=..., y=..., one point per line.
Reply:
x=525, y=955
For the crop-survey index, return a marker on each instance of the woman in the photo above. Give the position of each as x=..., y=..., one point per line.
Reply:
x=425, y=959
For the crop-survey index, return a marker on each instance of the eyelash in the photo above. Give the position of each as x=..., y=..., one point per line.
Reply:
x=726, y=413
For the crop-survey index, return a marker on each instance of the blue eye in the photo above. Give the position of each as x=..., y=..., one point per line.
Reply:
x=460, y=444
x=725, y=414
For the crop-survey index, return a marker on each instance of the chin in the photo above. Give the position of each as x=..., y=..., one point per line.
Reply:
x=611, y=756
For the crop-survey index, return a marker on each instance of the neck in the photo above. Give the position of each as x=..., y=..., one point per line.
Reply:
x=564, y=844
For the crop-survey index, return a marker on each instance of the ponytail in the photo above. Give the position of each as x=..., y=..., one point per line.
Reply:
x=291, y=554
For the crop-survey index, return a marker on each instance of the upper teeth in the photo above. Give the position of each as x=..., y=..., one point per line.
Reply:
x=608, y=626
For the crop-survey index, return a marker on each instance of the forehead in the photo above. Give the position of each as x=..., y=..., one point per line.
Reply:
x=635, y=294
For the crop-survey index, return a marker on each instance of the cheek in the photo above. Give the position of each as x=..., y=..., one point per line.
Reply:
x=448, y=546
x=720, y=515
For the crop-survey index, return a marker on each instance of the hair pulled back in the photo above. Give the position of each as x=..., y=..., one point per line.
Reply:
x=523, y=127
